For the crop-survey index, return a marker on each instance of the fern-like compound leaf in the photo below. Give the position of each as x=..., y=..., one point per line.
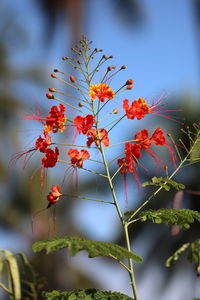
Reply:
x=164, y=183
x=194, y=252
x=195, y=147
x=181, y=217
x=176, y=254
x=94, y=248
x=88, y=294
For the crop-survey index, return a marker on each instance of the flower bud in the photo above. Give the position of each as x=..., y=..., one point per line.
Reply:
x=51, y=89
x=65, y=58
x=115, y=111
x=129, y=81
x=109, y=69
x=111, y=56
x=129, y=87
x=78, y=61
x=123, y=67
x=53, y=75
x=49, y=95
x=72, y=78
x=80, y=104
x=113, y=67
x=55, y=70
x=104, y=56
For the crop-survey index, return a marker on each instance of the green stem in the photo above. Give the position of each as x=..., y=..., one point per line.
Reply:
x=130, y=262
x=158, y=190
x=124, y=224
x=86, y=198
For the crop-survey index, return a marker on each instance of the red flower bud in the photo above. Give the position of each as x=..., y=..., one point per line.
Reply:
x=78, y=61
x=53, y=75
x=72, y=78
x=129, y=87
x=115, y=111
x=129, y=81
x=109, y=69
x=49, y=95
x=123, y=67
x=51, y=89
x=104, y=56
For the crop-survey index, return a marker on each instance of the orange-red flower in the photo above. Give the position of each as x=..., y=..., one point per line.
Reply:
x=128, y=163
x=142, y=138
x=55, y=194
x=56, y=119
x=94, y=136
x=77, y=157
x=51, y=158
x=158, y=137
x=101, y=91
x=42, y=144
x=83, y=124
x=138, y=109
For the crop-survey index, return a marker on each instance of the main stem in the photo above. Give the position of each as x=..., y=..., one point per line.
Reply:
x=123, y=222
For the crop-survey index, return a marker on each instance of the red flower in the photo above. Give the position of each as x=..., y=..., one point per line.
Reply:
x=51, y=158
x=142, y=137
x=77, y=157
x=101, y=91
x=128, y=163
x=83, y=124
x=56, y=119
x=138, y=109
x=158, y=137
x=55, y=194
x=43, y=144
x=93, y=136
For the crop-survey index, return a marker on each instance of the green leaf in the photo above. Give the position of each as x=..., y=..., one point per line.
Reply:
x=94, y=248
x=164, y=183
x=14, y=275
x=195, y=147
x=194, y=252
x=181, y=217
x=88, y=294
x=176, y=254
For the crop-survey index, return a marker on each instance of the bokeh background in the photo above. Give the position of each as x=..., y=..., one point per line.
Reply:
x=159, y=41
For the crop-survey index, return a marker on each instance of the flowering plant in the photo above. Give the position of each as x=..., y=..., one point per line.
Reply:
x=94, y=123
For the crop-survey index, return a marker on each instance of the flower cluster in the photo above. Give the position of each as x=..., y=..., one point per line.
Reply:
x=142, y=140
x=94, y=95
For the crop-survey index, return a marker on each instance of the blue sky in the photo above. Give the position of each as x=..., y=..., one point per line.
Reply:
x=161, y=55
